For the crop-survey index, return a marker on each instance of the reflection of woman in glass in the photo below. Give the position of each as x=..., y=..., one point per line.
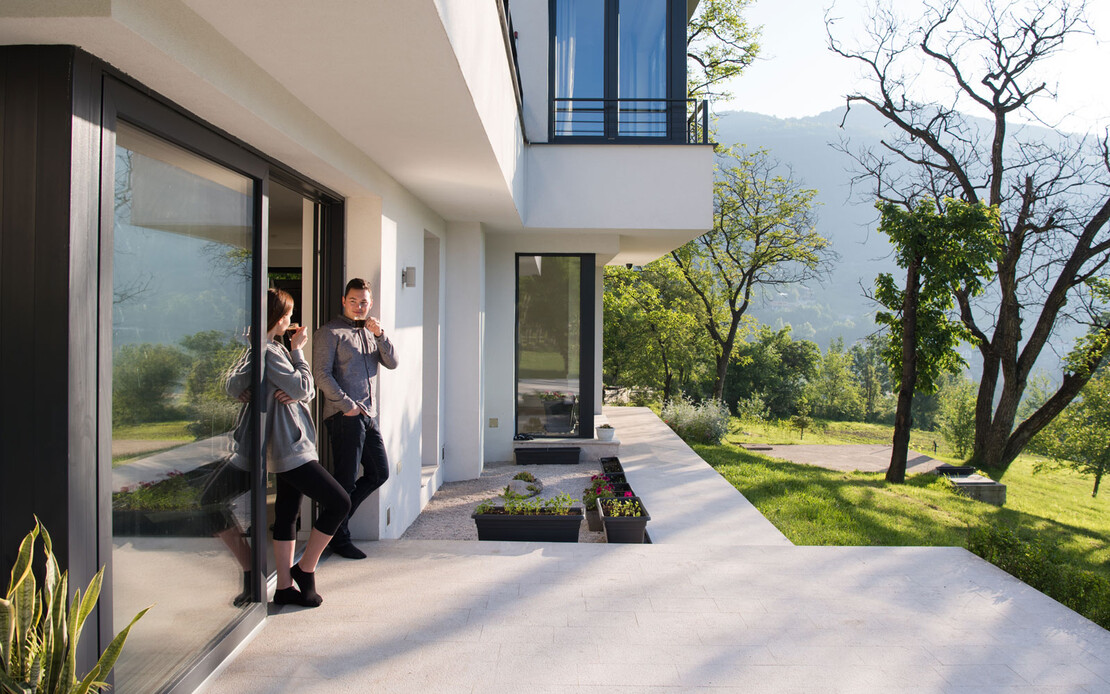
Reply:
x=291, y=455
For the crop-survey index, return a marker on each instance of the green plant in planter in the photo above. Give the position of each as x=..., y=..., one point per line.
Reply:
x=525, y=476
x=623, y=508
x=38, y=637
x=534, y=506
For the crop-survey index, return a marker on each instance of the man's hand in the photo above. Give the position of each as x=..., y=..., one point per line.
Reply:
x=356, y=411
x=245, y=396
x=374, y=326
x=283, y=397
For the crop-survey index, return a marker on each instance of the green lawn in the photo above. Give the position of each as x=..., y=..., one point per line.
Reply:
x=160, y=431
x=174, y=433
x=815, y=506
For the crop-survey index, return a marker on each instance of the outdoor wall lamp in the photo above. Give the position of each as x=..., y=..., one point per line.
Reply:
x=408, y=276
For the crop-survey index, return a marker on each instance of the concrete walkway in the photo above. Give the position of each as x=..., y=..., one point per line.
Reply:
x=865, y=457
x=721, y=602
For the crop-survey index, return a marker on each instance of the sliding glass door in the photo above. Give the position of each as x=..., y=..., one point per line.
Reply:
x=182, y=272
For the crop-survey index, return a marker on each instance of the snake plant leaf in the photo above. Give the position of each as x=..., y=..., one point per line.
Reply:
x=111, y=653
x=7, y=634
x=34, y=676
x=11, y=685
x=92, y=594
x=22, y=567
x=90, y=683
x=57, y=626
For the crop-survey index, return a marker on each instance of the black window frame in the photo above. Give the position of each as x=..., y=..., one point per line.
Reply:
x=587, y=343
x=676, y=80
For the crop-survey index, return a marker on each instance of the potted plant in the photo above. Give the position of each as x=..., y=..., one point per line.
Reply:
x=625, y=518
x=605, y=432
x=599, y=486
x=40, y=639
x=529, y=520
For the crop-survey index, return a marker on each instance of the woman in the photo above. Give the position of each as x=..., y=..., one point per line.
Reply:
x=291, y=455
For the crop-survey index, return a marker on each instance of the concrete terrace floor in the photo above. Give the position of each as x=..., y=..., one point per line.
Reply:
x=721, y=602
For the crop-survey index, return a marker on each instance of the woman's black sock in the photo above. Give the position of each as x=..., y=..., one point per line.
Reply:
x=307, y=583
x=287, y=596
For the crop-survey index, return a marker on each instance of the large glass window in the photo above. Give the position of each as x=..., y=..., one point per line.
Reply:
x=611, y=71
x=554, y=346
x=181, y=304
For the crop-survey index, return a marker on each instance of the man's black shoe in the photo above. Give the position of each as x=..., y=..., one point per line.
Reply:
x=347, y=550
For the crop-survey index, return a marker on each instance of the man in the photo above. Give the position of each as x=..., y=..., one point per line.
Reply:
x=345, y=357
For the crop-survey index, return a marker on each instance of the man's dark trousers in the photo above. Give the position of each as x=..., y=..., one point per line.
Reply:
x=356, y=440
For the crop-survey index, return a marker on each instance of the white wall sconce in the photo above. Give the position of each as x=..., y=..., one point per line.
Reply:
x=408, y=276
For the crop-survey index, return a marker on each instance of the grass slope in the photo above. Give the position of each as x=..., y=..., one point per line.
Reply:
x=815, y=506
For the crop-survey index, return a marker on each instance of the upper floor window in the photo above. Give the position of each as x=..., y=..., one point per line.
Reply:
x=618, y=70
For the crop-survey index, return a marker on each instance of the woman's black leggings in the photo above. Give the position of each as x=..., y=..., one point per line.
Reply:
x=313, y=481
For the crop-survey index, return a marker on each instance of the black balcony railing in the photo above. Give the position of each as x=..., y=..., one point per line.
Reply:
x=684, y=121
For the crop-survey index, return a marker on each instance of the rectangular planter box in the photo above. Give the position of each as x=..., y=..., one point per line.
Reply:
x=622, y=529
x=611, y=464
x=520, y=528
x=548, y=455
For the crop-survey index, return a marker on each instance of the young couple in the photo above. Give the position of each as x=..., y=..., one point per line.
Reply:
x=346, y=354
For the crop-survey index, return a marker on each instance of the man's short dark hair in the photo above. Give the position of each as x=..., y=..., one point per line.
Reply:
x=357, y=284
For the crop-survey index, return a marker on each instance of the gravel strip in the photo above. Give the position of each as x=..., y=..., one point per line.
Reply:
x=447, y=515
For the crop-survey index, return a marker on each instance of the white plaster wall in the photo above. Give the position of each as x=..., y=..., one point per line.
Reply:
x=639, y=187
x=500, y=359
x=531, y=22
x=477, y=38
x=465, y=339
x=382, y=237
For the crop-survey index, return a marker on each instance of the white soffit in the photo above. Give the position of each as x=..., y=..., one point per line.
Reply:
x=379, y=76
x=383, y=74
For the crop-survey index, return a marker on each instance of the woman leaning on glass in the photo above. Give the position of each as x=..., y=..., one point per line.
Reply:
x=291, y=455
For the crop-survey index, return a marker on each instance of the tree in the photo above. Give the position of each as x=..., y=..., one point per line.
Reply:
x=833, y=390
x=719, y=45
x=957, y=416
x=775, y=367
x=652, y=334
x=872, y=374
x=1080, y=437
x=938, y=250
x=763, y=236
x=1053, y=192
x=143, y=380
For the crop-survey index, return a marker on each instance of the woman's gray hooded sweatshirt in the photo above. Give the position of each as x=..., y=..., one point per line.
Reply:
x=289, y=432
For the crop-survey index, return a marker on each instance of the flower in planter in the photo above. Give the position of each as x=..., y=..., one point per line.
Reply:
x=553, y=395
x=599, y=486
x=604, y=426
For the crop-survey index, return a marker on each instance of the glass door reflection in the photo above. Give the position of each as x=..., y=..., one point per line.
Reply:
x=182, y=260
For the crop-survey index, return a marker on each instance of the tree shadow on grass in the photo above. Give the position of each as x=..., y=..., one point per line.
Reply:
x=812, y=505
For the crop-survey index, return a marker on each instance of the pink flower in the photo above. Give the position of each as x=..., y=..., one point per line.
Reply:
x=124, y=489
x=628, y=493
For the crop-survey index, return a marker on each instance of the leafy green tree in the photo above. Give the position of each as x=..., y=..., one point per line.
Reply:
x=872, y=375
x=939, y=251
x=1079, y=438
x=719, y=45
x=652, y=334
x=775, y=367
x=960, y=140
x=832, y=389
x=144, y=378
x=211, y=353
x=957, y=415
x=764, y=235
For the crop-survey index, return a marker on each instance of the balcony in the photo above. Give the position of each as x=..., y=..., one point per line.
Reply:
x=629, y=121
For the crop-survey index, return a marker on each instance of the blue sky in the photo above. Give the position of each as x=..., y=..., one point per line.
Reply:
x=798, y=76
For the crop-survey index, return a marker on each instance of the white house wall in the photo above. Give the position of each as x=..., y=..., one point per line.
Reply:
x=500, y=309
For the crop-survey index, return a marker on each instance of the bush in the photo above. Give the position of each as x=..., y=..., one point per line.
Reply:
x=143, y=381
x=1041, y=567
x=753, y=409
x=704, y=423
